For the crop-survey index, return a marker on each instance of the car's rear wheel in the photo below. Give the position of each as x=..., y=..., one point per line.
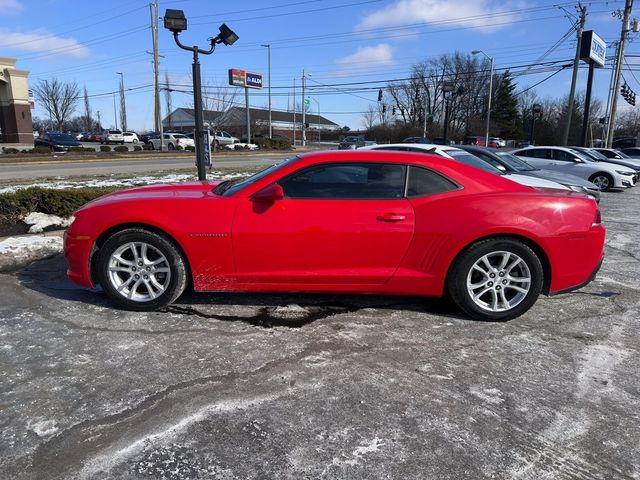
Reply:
x=603, y=181
x=171, y=146
x=496, y=279
x=141, y=270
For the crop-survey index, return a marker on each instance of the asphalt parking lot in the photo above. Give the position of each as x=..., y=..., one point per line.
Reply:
x=231, y=386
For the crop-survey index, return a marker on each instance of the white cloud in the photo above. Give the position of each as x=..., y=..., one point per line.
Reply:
x=42, y=41
x=367, y=57
x=460, y=12
x=10, y=7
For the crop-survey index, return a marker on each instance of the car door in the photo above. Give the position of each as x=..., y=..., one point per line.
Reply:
x=567, y=162
x=338, y=223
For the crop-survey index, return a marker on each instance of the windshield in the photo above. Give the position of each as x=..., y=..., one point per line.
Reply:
x=515, y=162
x=597, y=155
x=466, y=157
x=229, y=187
x=61, y=137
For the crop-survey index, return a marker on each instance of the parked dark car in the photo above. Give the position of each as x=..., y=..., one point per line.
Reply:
x=417, y=140
x=351, y=143
x=633, y=152
x=145, y=137
x=623, y=142
x=57, y=142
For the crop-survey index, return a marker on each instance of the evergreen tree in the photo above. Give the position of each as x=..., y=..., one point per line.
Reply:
x=504, y=109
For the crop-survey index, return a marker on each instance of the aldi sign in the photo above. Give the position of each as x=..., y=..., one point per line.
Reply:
x=242, y=78
x=593, y=49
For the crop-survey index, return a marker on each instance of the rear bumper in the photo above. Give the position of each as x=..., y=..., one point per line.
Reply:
x=586, y=282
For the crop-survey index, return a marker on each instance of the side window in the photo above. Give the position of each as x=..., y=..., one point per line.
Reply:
x=540, y=153
x=488, y=159
x=427, y=182
x=347, y=181
x=563, y=156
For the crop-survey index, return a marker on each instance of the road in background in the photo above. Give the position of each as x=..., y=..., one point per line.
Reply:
x=64, y=168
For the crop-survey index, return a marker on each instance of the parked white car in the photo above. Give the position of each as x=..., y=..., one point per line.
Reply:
x=112, y=136
x=130, y=137
x=605, y=175
x=462, y=156
x=223, y=138
x=172, y=141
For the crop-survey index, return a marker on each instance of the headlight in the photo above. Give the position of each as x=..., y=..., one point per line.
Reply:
x=624, y=172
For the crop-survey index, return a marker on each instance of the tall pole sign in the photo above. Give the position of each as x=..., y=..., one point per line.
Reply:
x=593, y=50
x=242, y=78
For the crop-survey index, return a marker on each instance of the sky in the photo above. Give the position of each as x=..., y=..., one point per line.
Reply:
x=357, y=46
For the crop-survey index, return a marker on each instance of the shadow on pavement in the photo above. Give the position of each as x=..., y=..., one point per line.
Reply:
x=49, y=278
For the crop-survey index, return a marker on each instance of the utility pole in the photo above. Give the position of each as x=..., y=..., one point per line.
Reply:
x=157, y=121
x=574, y=77
x=123, y=106
x=294, y=111
x=268, y=46
x=99, y=122
x=304, y=133
x=620, y=58
x=115, y=111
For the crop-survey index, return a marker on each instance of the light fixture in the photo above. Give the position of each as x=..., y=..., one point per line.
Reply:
x=226, y=35
x=175, y=20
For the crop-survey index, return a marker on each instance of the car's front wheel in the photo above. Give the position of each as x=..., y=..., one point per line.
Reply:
x=141, y=270
x=171, y=146
x=602, y=180
x=496, y=279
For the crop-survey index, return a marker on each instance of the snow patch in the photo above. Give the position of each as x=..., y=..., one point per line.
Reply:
x=44, y=428
x=39, y=221
x=19, y=251
x=489, y=395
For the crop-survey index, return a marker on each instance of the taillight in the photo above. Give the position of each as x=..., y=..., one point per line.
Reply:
x=598, y=219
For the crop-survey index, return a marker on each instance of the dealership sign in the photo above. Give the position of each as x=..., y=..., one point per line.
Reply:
x=241, y=78
x=593, y=49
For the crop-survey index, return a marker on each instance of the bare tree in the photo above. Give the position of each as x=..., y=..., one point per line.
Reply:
x=369, y=117
x=59, y=99
x=217, y=97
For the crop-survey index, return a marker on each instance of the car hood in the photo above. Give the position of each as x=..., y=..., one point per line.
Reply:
x=633, y=163
x=153, y=192
x=563, y=178
x=610, y=167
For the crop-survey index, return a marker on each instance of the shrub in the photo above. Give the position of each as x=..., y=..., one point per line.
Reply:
x=137, y=148
x=10, y=150
x=81, y=149
x=273, y=143
x=179, y=147
x=40, y=150
x=105, y=148
x=147, y=146
x=190, y=148
x=121, y=148
x=62, y=202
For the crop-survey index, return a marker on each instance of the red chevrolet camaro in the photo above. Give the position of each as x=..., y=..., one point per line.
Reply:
x=358, y=222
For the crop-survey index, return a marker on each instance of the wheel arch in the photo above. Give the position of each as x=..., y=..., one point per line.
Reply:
x=535, y=246
x=104, y=236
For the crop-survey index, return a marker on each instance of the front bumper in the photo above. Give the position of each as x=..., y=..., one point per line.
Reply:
x=77, y=252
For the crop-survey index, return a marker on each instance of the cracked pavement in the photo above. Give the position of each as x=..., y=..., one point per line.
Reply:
x=245, y=386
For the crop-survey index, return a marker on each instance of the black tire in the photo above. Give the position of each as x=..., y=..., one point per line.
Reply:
x=173, y=261
x=171, y=146
x=602, y=180
x=152, y=146
x=462, y=270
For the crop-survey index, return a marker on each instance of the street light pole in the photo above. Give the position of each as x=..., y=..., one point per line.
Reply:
x=486, y=138
x=115, y=112
x=175, y=21
x=123, y=107
x=268, y=46
x=304, y=133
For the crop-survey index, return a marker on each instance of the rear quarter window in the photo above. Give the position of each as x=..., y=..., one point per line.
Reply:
x=423, y=181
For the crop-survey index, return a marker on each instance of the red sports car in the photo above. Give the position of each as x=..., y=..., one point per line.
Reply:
x=359, y=221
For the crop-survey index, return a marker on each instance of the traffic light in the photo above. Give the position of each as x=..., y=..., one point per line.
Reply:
x=393, y=110
x=380, y=95
x=384, y=109
x=306, y=125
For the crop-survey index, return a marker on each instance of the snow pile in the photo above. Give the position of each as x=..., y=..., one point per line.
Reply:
x=241, y=146
x=39, y=221
x=19, y=251
x=61, y=183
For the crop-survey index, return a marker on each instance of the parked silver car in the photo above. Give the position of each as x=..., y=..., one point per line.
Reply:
x=562, y=159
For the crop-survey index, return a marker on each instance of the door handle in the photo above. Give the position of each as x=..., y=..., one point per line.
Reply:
x=390, y=217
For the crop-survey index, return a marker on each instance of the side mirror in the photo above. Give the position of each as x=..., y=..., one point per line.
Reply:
x=501, y=168
x=268, y=194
